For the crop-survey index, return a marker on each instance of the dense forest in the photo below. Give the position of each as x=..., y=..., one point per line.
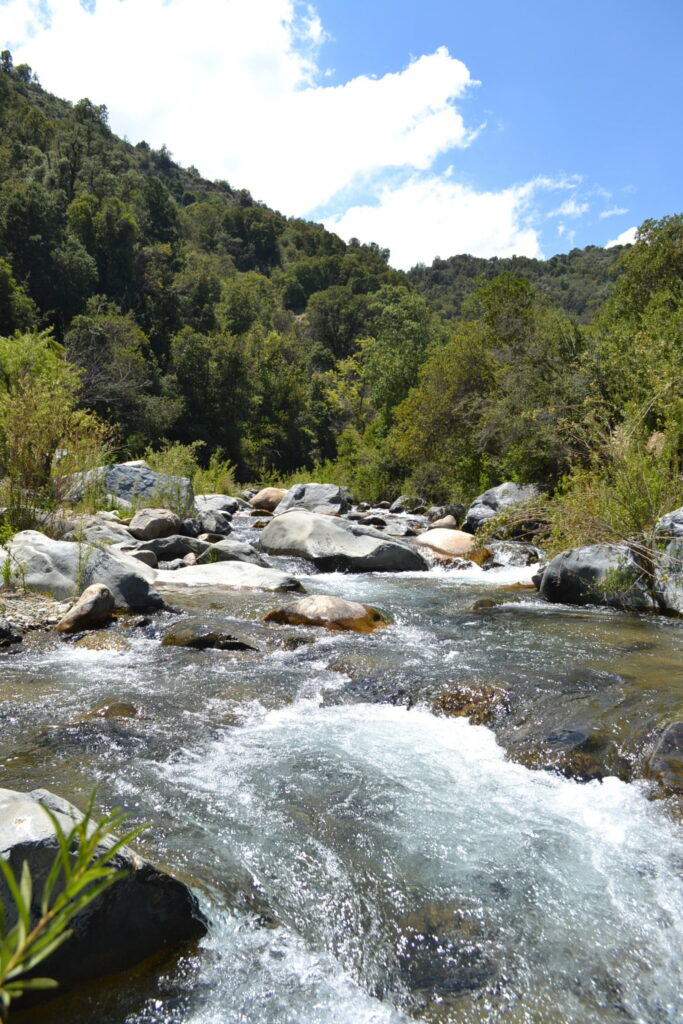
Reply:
x=143, y=304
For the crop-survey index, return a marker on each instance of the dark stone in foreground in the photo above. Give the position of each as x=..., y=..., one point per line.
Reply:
x=139, y=916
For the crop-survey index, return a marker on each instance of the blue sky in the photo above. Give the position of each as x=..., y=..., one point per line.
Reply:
x=430, y=127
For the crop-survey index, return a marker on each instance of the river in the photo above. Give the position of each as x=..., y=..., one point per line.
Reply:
x=361, y=859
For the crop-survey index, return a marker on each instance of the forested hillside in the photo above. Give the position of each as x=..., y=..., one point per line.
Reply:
x=183, y=311
x=578, y=282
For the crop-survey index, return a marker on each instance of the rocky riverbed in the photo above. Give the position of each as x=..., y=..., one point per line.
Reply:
x=467, y=812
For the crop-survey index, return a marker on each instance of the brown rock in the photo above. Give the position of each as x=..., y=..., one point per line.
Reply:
x=481, y=704
x=93, y=608
x=451, y=543
x=447, y=523
x=329, y=612
x=267, y=499
x=150, y=523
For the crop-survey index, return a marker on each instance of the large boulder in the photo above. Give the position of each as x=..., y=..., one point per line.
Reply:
x=64, y=569
x=236, y=575
x=134, y=483
x=495, y=500
x=601, y=574
x=336, y=545
x=446, y=542
x=150, y=523
x=92, y=609
x=332, y=613
x=326, y=499
x=268, y=498
x=143, y=914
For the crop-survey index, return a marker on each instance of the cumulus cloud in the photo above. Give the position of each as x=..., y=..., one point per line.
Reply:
x=429, y=215
x=627, y=237
x=231, y=86
x=238, y=89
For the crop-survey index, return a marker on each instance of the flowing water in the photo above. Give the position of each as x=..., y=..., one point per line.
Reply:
x=361, y=859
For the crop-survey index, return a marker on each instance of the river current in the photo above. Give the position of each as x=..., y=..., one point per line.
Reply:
x=361, y=859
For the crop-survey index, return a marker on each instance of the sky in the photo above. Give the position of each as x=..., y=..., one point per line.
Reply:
x=431, y=127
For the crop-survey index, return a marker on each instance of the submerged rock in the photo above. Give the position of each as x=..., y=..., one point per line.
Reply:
x=330, y=613
x=146, y=912
x=666, y=761
x=481, y=705
x=337, y=545
x=202, y=636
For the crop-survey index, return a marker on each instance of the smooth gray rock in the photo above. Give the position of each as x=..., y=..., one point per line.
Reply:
x=218, y=503
x=64, y=569
x=327, y=499
x=139, y=916
x=435, y=512
x=336, y=545
x=147, y=557
x=97, y=529
x=131, y=482
x=493, y=501
x=234, y=575
x=601, y=574
x=229, y=550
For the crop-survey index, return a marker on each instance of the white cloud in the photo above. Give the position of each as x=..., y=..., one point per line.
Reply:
x=570, y=208
x=231, y=87
x=627, y=237
x=616, y=211
x=428, y=215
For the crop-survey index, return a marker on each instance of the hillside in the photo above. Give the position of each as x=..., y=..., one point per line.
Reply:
x=190, y=314
x=578, y=282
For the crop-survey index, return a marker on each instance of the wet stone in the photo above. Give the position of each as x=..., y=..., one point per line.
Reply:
x=481, y=705
x=201, y=636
